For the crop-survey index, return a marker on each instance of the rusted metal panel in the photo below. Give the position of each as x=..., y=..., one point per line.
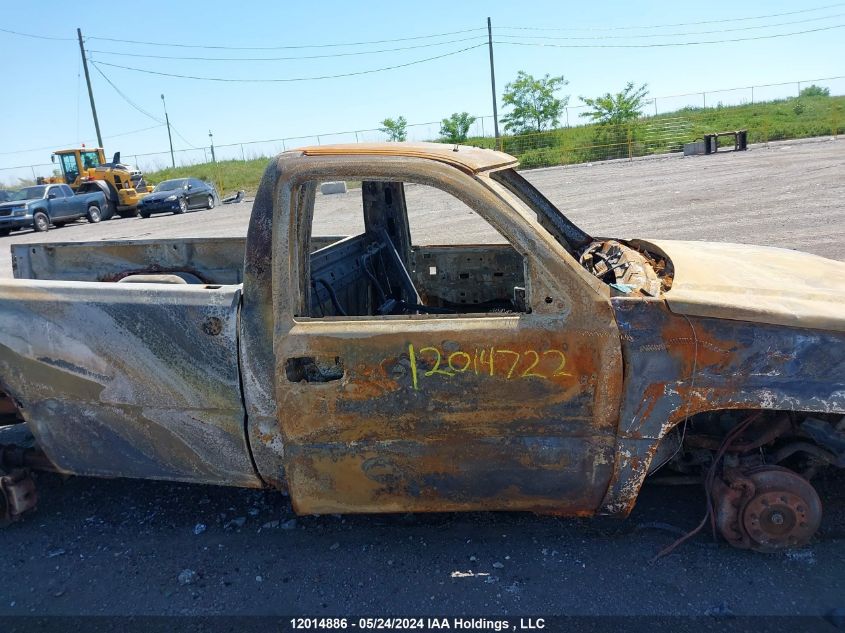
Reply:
x=135, y=381
x=466, y=275
x=213, y=260
x=377, y=439
x=561, y=401
x=558, y=404
x=677, y=366
x=466, y=157
x=448, y=414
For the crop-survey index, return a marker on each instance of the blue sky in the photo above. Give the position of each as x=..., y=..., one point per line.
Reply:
x=46, y=106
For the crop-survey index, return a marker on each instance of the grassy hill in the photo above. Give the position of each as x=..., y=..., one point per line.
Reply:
x=228, y=175
x=768, y=121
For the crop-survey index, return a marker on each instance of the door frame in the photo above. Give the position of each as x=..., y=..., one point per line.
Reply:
x=559, y=289
x=57, y=206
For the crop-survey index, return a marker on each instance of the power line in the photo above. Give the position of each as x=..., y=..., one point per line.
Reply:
x=39, y=149
x=273, y=48
x=669, y=44
x=34, y=149
x=38, y=37
x=289, y=79
x=139, y=108
x=660, y=26
x=653, y=35
x=295, y=57
x=123, y=96
x=183, y=138
x=25, y=167
x=143, y=129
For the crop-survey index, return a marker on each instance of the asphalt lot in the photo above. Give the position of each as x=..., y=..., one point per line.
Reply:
x=121, y=546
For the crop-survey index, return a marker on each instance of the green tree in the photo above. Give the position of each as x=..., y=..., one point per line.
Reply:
x=534, y=106
x=456, y=127
x=396, y=129
x=814, y=91
x=613, y=109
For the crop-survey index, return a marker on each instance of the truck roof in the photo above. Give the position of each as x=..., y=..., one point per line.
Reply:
x=472, y=159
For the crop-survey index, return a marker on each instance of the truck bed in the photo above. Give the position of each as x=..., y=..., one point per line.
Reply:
x=214, y=260
x=444, y=275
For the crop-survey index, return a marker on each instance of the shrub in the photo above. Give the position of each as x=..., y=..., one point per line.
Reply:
x=542, y=157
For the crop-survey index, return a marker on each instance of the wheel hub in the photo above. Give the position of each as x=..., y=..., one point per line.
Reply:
x=773, y=509
x=777, y=520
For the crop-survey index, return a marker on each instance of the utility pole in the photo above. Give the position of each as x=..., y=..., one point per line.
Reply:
x=169, y=138
x=211, y=137
x=90, y=91
x=493, y=81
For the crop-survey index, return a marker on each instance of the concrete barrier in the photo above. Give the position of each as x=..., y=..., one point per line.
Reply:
x=695, y=148
x=333, y=187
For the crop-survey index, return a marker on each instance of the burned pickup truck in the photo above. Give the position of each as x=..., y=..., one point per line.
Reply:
x=546, y=371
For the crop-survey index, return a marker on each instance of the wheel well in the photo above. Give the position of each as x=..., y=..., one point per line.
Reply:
x=710, y=427
x=9, y=410
x=803, y=441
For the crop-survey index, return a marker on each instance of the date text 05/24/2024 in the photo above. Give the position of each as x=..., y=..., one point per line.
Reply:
x=419, y=624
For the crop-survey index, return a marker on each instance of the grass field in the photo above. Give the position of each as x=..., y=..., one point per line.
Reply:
x=767, y=121
x=227, y=175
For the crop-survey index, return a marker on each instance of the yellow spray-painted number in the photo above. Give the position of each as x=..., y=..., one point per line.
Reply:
x=550, y=363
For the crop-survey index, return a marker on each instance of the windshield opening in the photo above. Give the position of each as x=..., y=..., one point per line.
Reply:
x=570, y=236
x=170, y=185
x=29, y=193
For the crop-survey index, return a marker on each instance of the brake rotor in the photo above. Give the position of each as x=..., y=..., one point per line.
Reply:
x=784, y=512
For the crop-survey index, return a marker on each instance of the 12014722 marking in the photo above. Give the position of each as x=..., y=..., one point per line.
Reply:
x=486, y=361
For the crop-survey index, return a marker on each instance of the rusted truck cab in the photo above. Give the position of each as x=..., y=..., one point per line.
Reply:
x=542, y=370
x=405, y=379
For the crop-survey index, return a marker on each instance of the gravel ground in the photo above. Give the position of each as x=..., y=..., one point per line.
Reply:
x=138, y=547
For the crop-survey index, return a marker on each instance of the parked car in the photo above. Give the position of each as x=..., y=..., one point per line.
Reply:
x=177, y=196
x=41, y=205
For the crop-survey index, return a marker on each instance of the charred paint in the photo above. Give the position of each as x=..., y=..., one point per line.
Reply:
x=376, y=439
x=117, y=381
x=678, y=366
x=524, y=410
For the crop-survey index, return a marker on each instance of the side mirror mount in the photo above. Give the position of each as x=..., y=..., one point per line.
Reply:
x=189, y=186
x=51, y=195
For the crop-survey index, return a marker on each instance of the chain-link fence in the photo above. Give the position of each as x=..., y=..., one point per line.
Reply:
x=769, y=112
x=657, y=134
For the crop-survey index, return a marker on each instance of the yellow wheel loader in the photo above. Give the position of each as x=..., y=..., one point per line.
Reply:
x=86, y=169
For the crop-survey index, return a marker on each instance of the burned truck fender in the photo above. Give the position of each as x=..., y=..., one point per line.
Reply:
x=678, y=366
